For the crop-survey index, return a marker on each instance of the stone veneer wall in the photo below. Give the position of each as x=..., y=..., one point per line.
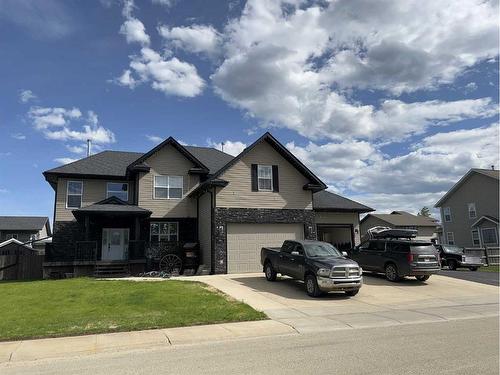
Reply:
x=222, y=216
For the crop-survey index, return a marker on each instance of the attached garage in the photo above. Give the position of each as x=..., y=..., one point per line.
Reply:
x=244, y=242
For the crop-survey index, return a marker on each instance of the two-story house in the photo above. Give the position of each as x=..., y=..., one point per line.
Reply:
x=426, y=227
x=110, y=205
x=469, y=210
x=25, y=229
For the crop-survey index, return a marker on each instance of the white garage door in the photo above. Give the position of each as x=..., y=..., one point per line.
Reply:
x=244, y=242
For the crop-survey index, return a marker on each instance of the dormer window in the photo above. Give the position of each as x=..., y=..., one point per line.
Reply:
x=265, y=177
x=117, y=189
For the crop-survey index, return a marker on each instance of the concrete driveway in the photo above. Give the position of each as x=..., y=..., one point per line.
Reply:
x=379, y=303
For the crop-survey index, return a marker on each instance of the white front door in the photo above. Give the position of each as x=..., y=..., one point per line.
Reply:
x=114, y=243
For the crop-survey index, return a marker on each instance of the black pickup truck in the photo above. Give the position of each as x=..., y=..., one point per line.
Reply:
x=322, y=267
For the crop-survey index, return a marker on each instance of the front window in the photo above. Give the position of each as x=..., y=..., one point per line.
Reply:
x=447, y=214
x=321, y=249
x=472, y=210
x=74, y=194
x=164, y=232
x=265, y=177
x=168, y=187
x=450, y=238
x=118, y=190
x=489, y=236
x=475, y=237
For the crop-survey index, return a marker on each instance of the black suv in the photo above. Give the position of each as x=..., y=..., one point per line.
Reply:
x=398, y=258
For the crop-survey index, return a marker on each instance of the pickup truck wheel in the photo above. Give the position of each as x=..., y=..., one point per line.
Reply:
x=351, y=293
x=270, y=272
x=312, y=288
x=391, y=272
x=473, y=268
x=422, y=277
x=452, y=265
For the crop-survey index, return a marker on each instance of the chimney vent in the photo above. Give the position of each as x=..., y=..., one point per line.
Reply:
x=492, y=167
x=222, y=146
x=89, y=147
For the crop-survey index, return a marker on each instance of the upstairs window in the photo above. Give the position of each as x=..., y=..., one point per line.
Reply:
x=472, y=210
x=265, y=177
x=74, y=194
x=117, y=189
x=450, y=238
x=168, y=187
x=475, y=238
x=447, y=214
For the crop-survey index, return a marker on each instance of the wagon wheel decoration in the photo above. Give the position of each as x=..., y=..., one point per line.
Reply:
x=170, y=263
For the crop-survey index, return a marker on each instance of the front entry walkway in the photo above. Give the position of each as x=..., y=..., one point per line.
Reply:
x=379, y=303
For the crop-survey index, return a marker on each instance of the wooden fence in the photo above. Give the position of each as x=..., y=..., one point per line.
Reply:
x=490, y=255
x=21, y=267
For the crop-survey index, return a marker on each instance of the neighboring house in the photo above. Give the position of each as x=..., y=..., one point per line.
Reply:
x=111, y=205
x=469, y=210
x=426, y=227
x=25, y=229
x=14, y=247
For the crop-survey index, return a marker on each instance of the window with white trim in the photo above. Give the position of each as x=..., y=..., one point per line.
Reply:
x=489, y=236
x=476, y=241
x=447, y=214
x=117, y=189
x=471, y=207
x=164, y=231
x=74, y=194
x=265, y=177
x=450, y=238
x=168, y=187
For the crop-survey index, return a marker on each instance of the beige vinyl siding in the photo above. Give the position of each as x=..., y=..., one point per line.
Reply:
x=238, y=193
x=94, y=190
x=168, y=162
x=351, y=218
x=205, y=228
x=479, y=189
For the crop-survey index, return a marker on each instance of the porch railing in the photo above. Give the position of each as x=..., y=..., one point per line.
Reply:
x=85, y=251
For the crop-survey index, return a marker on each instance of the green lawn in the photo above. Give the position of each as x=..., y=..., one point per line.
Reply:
x=82, y=306
x=489, y=269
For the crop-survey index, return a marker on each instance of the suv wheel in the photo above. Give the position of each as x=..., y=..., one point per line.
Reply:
x=311, y=284
x=452, y=264
x=270, y=272
x=422, y=277
x=473, y=268
x=391, y=272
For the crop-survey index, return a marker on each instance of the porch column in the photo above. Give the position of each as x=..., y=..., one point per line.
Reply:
x=137, y=234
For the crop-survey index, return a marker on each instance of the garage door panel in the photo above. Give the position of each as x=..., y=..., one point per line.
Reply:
x=244, y=242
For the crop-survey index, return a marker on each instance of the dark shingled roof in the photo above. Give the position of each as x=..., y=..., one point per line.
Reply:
x=328, y=201
x=22, y=222
x=115, y=163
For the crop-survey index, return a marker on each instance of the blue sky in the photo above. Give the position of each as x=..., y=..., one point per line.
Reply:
x=389, y=103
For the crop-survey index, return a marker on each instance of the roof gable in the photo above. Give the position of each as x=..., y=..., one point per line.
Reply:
x=170, y=141
x=327, y=201
x=403, y=218
x=26, y=223
x=491, y=173
x=315, y=183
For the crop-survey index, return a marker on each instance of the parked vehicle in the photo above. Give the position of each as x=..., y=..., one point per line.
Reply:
x=322, y=267
x=454, y=257
x=396, y=254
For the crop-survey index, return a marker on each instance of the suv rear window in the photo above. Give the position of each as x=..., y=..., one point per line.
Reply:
x=398, y=247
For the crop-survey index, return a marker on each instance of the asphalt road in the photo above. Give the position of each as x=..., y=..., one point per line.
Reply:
x=455, y=347
x=490, y=278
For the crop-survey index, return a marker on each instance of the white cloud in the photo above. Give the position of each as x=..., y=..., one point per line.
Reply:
x=3, y=191
x=164, y=73
x=165, y=3
x=57, y=123
x=471, y=86
x=77, y=149
x=415, y=178
x=26, y=95
x=194, y=38
x=64, y=160
x=154, y=138
x=287, y=65
x=134, y=31
x=18, y=136
x=3, y=154
x=230, y=147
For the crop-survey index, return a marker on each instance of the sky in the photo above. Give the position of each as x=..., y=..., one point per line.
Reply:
x=388, y=102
